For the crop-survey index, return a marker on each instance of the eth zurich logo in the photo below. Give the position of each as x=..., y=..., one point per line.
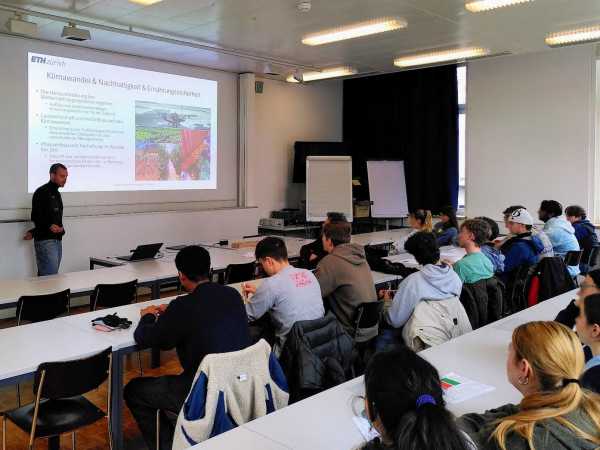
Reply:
x=48, y=61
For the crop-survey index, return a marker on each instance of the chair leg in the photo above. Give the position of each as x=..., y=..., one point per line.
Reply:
x=73, y=440
x=18, y=395
x=139, y=355
x=3, y=432
x=158, y=429
x=110, y=437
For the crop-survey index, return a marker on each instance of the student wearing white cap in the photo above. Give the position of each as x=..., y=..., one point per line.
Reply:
x=523, y=248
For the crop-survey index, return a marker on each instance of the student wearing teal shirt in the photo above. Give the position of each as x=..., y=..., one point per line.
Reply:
x=475, y=266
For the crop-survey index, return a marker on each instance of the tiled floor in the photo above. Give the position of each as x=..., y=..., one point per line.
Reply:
x=94, y=437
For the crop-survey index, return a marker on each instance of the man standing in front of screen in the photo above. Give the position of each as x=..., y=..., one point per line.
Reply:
x=47, y=215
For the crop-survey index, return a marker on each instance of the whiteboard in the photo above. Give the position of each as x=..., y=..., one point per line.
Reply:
x=328, y=187
x=387, y=188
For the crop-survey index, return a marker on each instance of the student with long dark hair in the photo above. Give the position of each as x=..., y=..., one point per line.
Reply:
x=446, y=229
x=419, y=220
x=403, y=401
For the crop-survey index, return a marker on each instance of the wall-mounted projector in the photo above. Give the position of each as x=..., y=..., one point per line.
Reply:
x=75, y=34
x=19, y=26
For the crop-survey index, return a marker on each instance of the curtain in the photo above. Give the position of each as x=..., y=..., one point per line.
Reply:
x=410, y=116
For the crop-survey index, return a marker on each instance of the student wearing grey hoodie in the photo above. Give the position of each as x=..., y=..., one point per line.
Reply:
x=434, y=281
x=344, y=275
x=544, y=363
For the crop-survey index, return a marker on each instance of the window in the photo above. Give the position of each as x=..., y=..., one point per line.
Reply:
x=461, y=75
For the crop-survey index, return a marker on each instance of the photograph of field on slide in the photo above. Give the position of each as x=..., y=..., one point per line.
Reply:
x=172, y=142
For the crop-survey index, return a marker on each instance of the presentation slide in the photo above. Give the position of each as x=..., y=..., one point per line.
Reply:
x=118, y=128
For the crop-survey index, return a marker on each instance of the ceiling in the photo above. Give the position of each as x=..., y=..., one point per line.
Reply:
x=273, y=29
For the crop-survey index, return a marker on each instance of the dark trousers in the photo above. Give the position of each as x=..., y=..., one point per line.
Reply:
x=145, y=395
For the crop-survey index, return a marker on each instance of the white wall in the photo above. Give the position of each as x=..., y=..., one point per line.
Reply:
x=116, y=234
x=530, y=130
x=286, y=113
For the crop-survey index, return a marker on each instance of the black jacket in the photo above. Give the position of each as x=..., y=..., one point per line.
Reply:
x=314, y=248
x=316, y=356
x=483, y=301
x=554, y=278
x=591, y=379
x=212, y=319
x=46, y=210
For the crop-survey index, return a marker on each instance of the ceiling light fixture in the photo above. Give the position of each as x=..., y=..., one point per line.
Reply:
x=145, y=2
x=570, y=37
x=356, y=30
x=333, y=72
x=441, y=56
x=18, y=25
x=488, y=5
x=73, y=33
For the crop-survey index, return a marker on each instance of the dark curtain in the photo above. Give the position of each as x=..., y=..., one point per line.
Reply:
x=410, y=116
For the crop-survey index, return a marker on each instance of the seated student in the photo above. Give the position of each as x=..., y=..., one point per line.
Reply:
x=489, y=248
x=210, y=319
x=590, y=285
x=544, y=363
x=311, y=254
x=548, y=251
x=404, y=403
x=344, y=275
x=288, y=295
x=419, y=220
x=522, y=248
x=446, y=229
x=435, y=280
x=588, y=330
x=475, y=266
x=560, y=232
x=585, y=232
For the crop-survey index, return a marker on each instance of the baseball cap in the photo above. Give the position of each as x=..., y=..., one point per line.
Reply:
x=521, y=216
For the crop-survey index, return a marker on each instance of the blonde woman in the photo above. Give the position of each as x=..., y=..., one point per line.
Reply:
x=545, y=361
x=419, y=220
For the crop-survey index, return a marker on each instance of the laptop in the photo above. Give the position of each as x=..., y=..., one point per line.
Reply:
x=146, y=251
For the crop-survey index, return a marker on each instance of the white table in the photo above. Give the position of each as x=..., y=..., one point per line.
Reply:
x=80, y=283
x=448, y=252
x=380, y=237
x=326, y=419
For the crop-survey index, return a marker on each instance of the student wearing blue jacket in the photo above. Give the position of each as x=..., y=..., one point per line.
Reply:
x=446, y=230
x=585, y=232
x=560, y=232
x=523, y=248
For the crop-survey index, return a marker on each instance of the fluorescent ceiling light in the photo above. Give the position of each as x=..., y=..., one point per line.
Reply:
x=573, y=36
x=354, y=31
x=145, y=2
x=487, y=5
x=333, y=72
x=441, y=56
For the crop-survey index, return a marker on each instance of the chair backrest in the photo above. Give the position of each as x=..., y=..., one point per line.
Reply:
x=517, y=288
x=573, y=258
x=76, y=377
x=111, y=295
x=366, y=322
x=594, y=257
x=37, y=308
x=236, y=273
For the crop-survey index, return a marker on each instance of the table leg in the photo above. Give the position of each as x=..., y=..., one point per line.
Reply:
x=155, y=358
x=54, y=443
x=116, y=401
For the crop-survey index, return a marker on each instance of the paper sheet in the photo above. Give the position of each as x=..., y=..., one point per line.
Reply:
x=459, y=389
